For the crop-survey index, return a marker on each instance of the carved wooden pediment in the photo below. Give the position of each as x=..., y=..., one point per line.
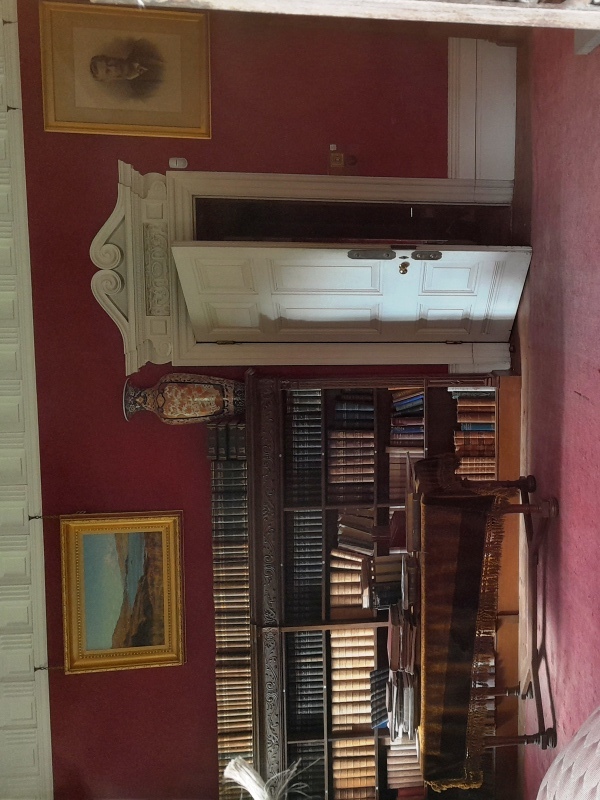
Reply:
x=133, y=284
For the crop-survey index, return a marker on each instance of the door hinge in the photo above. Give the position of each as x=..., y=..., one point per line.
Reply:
x=450, y=341
x=226, y=341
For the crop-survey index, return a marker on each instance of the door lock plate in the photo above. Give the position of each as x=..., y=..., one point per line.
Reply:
x=426, y=255
x=384, y=255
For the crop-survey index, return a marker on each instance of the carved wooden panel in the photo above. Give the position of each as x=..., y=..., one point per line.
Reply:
x=264, y=464
x=263, y=425
x=272, y=720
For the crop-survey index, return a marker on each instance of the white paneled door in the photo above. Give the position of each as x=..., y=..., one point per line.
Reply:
x=277, y=293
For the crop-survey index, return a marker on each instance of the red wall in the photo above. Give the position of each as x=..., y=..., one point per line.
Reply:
x=283, y=89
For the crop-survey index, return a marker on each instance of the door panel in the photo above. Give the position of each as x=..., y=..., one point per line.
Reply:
x=257, y=292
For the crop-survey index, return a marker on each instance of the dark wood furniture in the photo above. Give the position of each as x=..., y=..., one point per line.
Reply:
x=277, y=512
x=462, y=528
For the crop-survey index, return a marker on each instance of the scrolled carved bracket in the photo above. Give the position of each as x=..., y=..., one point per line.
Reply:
x=131, y=250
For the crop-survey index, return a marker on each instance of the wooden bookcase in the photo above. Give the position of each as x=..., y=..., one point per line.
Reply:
x=299, y=639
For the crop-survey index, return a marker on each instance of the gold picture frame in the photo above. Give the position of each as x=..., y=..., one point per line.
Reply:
x=125, y=71
x=122, y=591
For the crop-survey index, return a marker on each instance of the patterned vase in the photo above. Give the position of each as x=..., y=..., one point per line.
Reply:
x=180, y=398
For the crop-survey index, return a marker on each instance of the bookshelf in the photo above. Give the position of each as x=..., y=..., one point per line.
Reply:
x=325, y=476
x=231, y=588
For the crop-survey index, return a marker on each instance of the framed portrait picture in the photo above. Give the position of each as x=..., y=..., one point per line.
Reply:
x=122, y=591
x=127, y=71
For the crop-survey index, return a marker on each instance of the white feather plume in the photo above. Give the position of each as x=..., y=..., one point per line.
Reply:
x=276, y=788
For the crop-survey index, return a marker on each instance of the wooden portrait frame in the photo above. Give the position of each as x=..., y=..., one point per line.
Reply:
x=122, y=591
x=125, y=71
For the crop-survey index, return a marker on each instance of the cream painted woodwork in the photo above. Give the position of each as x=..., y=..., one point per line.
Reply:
x=530, y=13
x=586, y=41
x=25, y=750
x=482, y=110
x=256, y=292
x=137, y=283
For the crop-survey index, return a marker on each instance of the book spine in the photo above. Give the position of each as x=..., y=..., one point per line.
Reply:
x=476, y=416
x=351, y=434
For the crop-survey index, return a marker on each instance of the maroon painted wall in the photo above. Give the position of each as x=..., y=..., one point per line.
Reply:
x=283, y=89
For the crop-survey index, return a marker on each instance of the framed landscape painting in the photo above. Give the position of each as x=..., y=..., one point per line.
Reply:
x=122, y=591
x=127, y=71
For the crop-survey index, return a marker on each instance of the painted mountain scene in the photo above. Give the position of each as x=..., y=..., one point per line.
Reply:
x=124, y=590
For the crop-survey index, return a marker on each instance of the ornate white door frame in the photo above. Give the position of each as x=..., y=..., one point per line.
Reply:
x=137, y=283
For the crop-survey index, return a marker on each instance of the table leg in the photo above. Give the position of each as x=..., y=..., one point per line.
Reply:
x=496, y=691
x=544, y=739
x=545, y=508
x=526, y=483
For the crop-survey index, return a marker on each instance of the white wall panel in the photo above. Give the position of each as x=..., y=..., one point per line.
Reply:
x=482, y=92
x=25, y=752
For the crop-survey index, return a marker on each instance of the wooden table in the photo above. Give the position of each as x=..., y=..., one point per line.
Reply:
x=461, y=531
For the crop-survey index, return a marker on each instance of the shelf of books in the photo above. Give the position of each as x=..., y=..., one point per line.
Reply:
x=231, y=587
x=475, y=437
x=336, y=573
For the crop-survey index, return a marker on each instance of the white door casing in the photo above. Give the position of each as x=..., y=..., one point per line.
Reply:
x=136, y=282
x=299, y=293
x=482, y=110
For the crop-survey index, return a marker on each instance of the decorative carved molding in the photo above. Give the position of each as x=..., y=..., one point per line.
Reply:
x=271, y=499
x=131, y=251
x=265, y=582
x=272, y=719
x=156, y=264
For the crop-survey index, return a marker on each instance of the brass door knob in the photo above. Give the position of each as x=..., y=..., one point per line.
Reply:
x=403, y=268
